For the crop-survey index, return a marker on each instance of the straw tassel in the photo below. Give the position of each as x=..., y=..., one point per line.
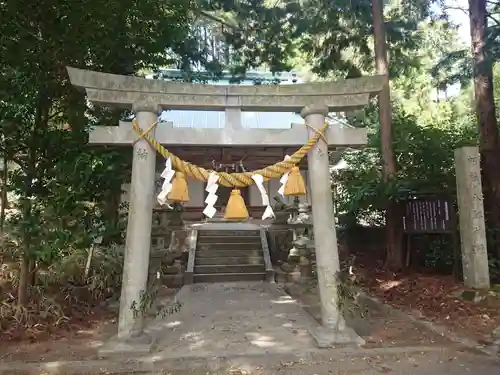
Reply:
x=236, y=209
x=295, y=184
x=179, y=192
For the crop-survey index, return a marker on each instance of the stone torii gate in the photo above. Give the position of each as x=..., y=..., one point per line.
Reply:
x=147, y=98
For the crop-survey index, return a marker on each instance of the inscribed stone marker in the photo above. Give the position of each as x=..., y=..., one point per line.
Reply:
x=471, y=217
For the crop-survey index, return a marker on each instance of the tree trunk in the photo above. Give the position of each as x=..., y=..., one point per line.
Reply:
x=40, y=125
x=5, y=174
x=489, y=144
x=32, y=272
x=24, y=278
x=111, y=214
x=393, y=220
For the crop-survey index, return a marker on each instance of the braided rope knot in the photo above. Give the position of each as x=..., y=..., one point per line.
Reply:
x=237, y=180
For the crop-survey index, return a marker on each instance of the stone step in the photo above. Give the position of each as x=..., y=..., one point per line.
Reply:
x=212, y=253
x=228, y=233
x=228, y=277
x=226, y=268
x=228, y=246
x=228, y=239
x=228, y=260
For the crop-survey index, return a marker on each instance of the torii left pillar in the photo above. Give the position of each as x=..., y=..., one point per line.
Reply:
x=131, y=337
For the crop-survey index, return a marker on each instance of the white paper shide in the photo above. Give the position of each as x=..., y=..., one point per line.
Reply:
x=259, y=181
x=211, y=198
x=284, y=179
x=167, y=174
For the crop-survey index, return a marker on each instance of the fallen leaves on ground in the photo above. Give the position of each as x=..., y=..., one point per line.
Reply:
x=434, y=297
x=75, y=341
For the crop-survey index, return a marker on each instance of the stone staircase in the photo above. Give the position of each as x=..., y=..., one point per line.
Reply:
x=229, y=255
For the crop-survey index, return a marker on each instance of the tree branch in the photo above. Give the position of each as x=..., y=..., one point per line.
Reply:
x=466, y=11
x=491, y=17
x=217, y=19
x=18, y=161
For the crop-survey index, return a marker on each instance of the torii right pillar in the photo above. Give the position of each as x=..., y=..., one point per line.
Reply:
x=333, y=330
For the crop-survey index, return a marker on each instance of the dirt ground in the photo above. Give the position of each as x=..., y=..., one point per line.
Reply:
x=376, y=327
x=394, y=361
x=78, y=342
x=431, y=296
x=435, y=298
x=82, y=342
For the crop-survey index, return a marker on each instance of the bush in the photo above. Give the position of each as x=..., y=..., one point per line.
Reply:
x=61, y=291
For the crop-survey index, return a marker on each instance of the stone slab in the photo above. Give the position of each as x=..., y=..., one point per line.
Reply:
x=260, y=103
x=223, y=234
x=223, y=319
x=124, y=91
x=106, y=81
x=256, y=260
x=140, y=345
x=234, y=239
x=228, y=277
x=332, y=338
x=241, y=226
x=229, y=268
x=167, y=134
x=214, y=252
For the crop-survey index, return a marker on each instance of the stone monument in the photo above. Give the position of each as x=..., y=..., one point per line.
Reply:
x=471, y=217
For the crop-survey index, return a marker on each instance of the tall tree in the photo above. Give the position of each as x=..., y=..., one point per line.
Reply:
x=36, y=99
x=37, y=43
x=489, y=142
x=393, y=224
x=3, y=197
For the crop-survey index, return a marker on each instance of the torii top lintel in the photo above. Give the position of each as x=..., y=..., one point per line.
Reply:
x=125, y=91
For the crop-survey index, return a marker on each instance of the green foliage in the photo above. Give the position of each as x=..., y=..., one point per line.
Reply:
x=65, y=195
x=438, y=254
x=424, y=154
x=75, y=296
x=337, y=36
x=457, y=65
x=67, y=192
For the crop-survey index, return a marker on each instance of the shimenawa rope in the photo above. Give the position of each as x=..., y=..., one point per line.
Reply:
x=237, y=180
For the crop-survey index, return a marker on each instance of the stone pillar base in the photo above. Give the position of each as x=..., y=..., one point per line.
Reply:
x=139, y=345
x=270, y=276
x=331, y=338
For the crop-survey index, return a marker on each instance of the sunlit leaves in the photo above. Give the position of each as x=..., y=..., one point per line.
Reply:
x=424, y=153
x=459, y=63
